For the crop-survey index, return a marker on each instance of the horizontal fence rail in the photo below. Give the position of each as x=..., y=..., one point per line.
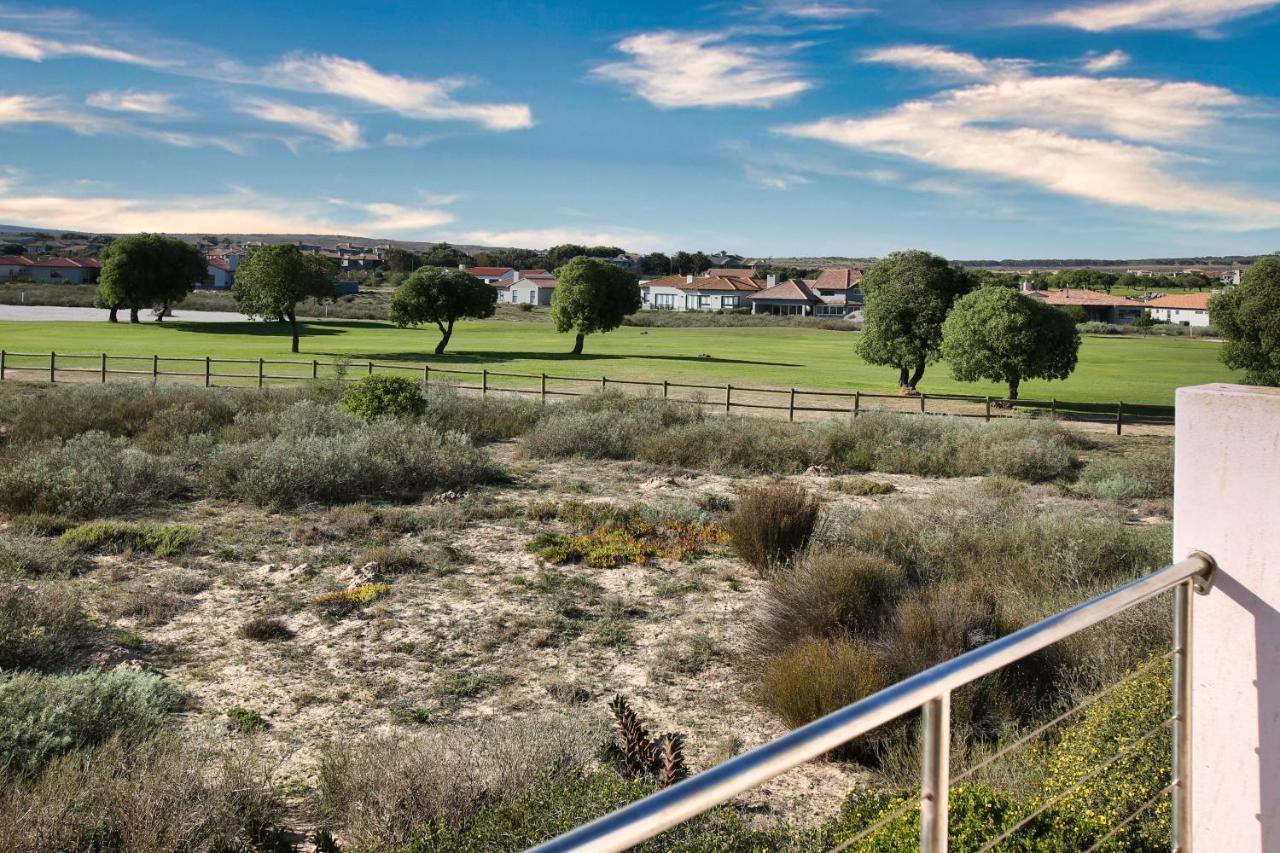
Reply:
x=931, y=691
x=793, y=402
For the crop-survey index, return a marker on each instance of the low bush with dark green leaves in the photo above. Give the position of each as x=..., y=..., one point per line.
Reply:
x=42, y=626
x=772, y=525
x=379, y=396
x=1134, y=475
x=162, y=540
x=28, y=557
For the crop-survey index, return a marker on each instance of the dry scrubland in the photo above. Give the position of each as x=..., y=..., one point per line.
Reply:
x=245, y=621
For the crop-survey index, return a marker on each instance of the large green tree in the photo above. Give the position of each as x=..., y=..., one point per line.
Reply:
x=1249, y=318
x=272, y=280
x=441, y=296
x=655, y=263
x=402, y=260
x=1085, y=279
x=445, y=255
x=907, y=297
x=998, y=334
x=592, y=296
x=143, y=270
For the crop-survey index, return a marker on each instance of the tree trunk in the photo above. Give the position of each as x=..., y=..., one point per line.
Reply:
x=917, y=376
x=577, y=344
x=293, y=325
x=133, y=315
x=1013, y=387
x=164, y=309
x=111, y=317
x=903, y=378
x=445, y=334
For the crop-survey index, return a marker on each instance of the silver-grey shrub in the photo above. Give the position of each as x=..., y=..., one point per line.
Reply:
x=86, y=476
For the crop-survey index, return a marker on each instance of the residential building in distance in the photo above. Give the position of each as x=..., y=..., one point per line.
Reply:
x=840, y=292
x=1187, y=309
x=532, y=289
x=221, y=271
x=700, y=293
x=489, y=275
x=790, y=297
x=51, y=270
x=1100, y=307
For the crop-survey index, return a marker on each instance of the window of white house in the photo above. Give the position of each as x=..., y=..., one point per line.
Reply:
x=704, y=301
x=728, y=301
x=664, y=301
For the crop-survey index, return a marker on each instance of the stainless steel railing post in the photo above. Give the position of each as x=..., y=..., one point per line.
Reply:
x=935, y=773
x=1182, y=596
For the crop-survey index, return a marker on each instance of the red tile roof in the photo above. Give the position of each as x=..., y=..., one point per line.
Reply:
x=489, y=271
x=1187, y=301
x=731, y=273
x=792, y=291
x=722, y=282
x=534, y=273
x=838, y=279
x=220, y=264
x=1084, y=298
x=63, y=263
x=666, y=281
x=14, y=261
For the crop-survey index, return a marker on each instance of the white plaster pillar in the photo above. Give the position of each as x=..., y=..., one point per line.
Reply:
x=1227, y=503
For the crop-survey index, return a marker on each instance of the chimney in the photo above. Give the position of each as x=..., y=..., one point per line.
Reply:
x=462, y=267
x=688, y=279
x=770, y=280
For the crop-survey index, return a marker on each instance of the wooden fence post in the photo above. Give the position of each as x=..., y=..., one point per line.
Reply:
x=155, y=369
x=103, y=370
x=484, y=381
x=922, y=398
x=53, y=366
x=857, y=403
x=543, y=389
x=988, y=407
x=664, y=389
x=426, y=377
x=1053, y=407
x=259, y=372
x=604, y=384
x=371, y=368
x=315, y=370
x=3, y=355
x=791, y=407
x=208, y=371
x=728, y=397
x=1120, y=417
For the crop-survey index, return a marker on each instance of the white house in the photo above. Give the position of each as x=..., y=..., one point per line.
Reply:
x=221, y=272
x=533, y=289
x=790, y=297
x=840, y=292
x=1189, y=309
x=489, y=275
x=12, y=266
x=700, y=293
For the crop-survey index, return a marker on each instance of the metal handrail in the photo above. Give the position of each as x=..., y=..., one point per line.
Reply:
x=930, y=690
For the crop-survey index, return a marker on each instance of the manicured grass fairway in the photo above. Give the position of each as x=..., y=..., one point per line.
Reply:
x=1135, y=370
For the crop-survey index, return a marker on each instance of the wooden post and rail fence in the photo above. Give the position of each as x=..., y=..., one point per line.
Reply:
x=260, y=372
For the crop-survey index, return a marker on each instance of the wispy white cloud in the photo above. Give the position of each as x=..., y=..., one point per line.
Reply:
x=37, y=48
x=816, y=10
x=238, y=211
x=772, y=179
x=542, y=238
x=414, y=98
x=930, y=58
x=411, y=97
x=343, y=133
x=1155, y=14
x=19, y=110
x=672, y=70
x=1106, y=62
x=1087, y=137
x=133, y=101
x=395, y=139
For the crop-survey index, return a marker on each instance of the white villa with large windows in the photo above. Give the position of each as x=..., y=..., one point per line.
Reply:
x=834, y=293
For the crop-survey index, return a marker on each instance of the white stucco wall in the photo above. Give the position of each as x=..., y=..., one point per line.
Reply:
x=1227, y=503
x=1180, y=315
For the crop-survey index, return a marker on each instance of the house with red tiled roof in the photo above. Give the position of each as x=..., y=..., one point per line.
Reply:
x=489, y=275
x=1188, y=309
x=1099, y=307
x=795, y=296
x=840, y=291
x=700, y=292
x=12, y=266
x=63, y=271
x=535, y=288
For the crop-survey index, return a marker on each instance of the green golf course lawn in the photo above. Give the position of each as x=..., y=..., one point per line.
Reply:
x=1132, y=369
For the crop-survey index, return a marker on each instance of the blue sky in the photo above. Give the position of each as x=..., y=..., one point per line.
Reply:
x=1061, y=128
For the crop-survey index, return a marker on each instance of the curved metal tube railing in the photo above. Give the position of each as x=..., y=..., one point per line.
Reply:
x=931, y=691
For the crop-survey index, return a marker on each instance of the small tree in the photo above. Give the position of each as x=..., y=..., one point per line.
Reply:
x=147, y=269
x=998, y=334
x=592, y=296
x=441, y=296
x=908, y=295
x=272, y=280
x=1249, y=318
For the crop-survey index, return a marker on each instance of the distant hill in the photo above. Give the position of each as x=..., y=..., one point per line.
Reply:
x=329, y=241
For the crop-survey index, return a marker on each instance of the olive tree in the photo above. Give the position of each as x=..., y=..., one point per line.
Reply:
x=272, y=280
x=592, y=296
x=907, y=297
x=143, y=270
x=1248, y=316
x=1000, y=335
x=441, y=296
